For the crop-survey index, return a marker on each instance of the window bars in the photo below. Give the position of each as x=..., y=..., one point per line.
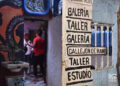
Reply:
x=102, y=36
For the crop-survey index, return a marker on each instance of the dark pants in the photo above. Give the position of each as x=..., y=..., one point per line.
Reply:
x=38, y=60
x=27, y=59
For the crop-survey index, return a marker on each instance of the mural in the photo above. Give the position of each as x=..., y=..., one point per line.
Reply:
x=37, y=7
x=11, y=30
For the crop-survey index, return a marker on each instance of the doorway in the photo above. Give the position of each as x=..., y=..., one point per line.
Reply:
x=30, y=28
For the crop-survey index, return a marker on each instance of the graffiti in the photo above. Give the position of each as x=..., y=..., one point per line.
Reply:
x=12, y=29
x=0, y=19
x=37, y=7
x=12, y=3
x=16, y=22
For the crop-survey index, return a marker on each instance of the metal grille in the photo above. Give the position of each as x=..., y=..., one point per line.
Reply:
x=102, y=36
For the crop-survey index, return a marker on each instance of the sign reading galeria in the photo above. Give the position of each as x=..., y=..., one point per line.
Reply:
x=76, y=32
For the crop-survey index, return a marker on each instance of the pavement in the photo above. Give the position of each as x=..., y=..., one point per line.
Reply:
x=30, y=77
x=29, y=81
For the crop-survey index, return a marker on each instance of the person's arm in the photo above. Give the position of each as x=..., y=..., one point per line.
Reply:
x=25, y=44
x=32, y=45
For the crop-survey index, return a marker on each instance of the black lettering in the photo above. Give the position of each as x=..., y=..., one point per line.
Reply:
x=69, y=26
x=87, y=61
x=76, y=38
x=71, y=60
x=69, y=76
x=73, y=76
x=69, y=11
x=82, y=12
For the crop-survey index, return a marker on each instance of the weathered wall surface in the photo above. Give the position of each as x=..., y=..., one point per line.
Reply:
x=104, y=11
x=31, y=25
x=54, y=57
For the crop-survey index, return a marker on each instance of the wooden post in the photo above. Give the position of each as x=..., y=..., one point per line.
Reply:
x=118, y=58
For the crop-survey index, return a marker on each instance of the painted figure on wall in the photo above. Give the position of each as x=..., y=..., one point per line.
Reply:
x=11, y=29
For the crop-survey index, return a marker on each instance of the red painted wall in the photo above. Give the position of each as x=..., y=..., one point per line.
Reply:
x=12, y=19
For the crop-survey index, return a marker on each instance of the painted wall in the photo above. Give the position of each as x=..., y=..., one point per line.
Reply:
x=104, y=11
x=54, y=56
x=107, y=77
x=11, y=33
x=11, y=29
x=31, y=25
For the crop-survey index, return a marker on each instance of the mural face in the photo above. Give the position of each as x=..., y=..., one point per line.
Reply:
x=11, y=30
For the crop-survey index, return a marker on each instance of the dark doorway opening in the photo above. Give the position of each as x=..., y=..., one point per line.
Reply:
x=30, y=28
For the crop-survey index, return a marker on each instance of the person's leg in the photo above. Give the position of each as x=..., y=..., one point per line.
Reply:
x=28, y=60
x=35, y=69
x=35, y=66
x=42, y=68
x=25, y=59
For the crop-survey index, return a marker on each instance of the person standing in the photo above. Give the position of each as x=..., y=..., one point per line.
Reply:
x=28, y=50
x=38, y=49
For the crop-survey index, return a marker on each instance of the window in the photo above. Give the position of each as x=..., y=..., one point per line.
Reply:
x=102, y=37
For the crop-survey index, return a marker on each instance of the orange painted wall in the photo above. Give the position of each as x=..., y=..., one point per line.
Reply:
x=9, y=19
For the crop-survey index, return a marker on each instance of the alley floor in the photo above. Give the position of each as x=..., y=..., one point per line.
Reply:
x=29, y=81
x=30, y=77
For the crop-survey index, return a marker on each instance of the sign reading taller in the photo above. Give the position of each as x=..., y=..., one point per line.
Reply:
x=76, y=37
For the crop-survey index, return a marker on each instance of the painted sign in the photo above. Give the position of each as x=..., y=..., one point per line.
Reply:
x=78, y=25
x=78, y=75
x=78, y=38
x=76, y=32
x=78, y=61
x=79, y=51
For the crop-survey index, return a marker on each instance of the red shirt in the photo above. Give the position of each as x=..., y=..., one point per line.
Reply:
x=39, y=46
